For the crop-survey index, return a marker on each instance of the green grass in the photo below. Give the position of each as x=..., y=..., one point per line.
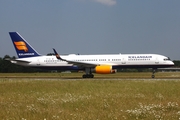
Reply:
x=27, y=98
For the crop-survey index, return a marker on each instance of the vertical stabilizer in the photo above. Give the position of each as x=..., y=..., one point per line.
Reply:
x=22, y=47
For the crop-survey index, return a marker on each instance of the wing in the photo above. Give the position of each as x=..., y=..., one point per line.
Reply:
x=78, y=63
x=85, y=64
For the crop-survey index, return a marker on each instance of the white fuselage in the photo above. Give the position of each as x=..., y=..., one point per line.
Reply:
x=115, y=60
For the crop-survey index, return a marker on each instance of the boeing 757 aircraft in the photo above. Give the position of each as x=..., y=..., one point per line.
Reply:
x=102, y=64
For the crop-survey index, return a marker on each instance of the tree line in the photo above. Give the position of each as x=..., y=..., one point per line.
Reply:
x=8, y=67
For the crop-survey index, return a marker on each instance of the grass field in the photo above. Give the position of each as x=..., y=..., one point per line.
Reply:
x=23, y=97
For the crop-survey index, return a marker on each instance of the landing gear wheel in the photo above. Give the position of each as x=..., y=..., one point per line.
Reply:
x=84, y=76
x=88, y=76
x=153, y=76
x=153, y=72
x=91, y=76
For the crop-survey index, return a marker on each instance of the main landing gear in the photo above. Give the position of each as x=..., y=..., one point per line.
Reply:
x=153, y=72
x=88, y=73
x=88, y=76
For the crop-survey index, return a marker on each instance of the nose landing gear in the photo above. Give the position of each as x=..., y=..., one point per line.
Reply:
x=153, y=72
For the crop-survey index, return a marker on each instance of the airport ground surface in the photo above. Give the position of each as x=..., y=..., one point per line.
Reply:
x=62, y=96
x=120, y=75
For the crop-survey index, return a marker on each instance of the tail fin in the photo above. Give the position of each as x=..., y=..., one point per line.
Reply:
x=22, y=47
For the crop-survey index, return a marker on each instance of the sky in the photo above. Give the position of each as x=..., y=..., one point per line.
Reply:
x=93, y=26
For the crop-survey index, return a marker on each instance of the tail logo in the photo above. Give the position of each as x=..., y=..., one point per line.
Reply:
x=57, y=56
x=20, y=45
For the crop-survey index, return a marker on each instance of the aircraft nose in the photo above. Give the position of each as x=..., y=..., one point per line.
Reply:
x=172, y=63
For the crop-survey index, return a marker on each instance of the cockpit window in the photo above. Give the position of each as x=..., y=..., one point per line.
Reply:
x=166, y=59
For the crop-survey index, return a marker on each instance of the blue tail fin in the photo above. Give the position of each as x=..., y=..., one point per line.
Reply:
x=23, y=48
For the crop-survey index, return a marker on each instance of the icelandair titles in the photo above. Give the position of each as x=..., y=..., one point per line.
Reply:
x=25, y=54
x=138, y=57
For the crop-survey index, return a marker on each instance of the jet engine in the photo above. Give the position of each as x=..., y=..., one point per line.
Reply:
x=104, y=69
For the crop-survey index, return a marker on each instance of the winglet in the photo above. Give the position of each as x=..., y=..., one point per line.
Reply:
x=57, y=55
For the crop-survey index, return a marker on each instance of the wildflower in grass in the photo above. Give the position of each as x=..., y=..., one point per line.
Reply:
x=159, y=96
x=54, y=117
x=139, y=95
x=158, y=117
x=42, y=100
x=32, y=108
x=72, y=97
x=172, y=105
x=178, y=113
x=157, y=111
x=105, y=103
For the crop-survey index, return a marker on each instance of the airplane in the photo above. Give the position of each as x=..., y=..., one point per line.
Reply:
x=102, y=63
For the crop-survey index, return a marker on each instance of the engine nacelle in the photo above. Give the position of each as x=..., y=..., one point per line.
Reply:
x=104, y=69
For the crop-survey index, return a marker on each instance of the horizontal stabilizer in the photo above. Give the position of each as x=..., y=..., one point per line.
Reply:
x=16, y=60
